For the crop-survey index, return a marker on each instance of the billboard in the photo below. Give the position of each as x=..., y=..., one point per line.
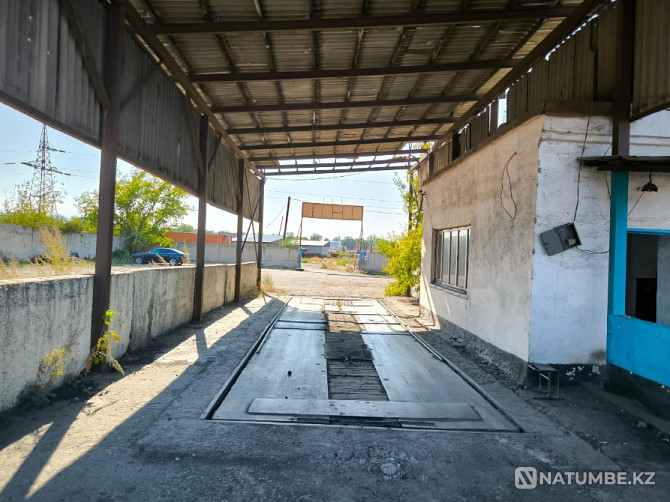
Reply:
x=332, y=211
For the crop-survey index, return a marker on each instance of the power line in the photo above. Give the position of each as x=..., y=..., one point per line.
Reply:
x=329, y=195
x=43, y=196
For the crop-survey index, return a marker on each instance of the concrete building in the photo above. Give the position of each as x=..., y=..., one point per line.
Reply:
x=487, y=275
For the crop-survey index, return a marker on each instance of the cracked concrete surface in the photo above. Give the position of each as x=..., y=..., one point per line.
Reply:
x=140, y=437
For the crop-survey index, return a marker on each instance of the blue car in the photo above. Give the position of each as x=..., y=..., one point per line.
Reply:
x=167, y=255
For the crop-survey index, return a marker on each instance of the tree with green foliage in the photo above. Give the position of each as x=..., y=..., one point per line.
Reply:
x=17, y=209
x=144, y=209
x=183, y=227
x=403, y=252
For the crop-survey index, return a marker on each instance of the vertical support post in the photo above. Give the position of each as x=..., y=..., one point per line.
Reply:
x=621, y=112
x=623, y=91
x=107, y=187
x=259, y=257
x=240, y=221
x=202, y=219
x=288, y=206
x=616, y=301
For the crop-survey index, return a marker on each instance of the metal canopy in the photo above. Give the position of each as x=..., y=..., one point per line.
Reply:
x=627, y=163
x=342, y=78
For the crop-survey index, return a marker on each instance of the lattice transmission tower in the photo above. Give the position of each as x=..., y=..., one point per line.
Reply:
x=43, y=194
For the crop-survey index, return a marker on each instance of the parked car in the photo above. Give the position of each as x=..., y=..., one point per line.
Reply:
x=169, y=255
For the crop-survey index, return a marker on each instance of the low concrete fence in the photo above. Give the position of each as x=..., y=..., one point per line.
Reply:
x=376, y=263
x=24, y=243
x=273, y=257
x=40, y=315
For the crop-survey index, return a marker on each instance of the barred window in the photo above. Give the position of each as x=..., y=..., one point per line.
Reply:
x=451, y=258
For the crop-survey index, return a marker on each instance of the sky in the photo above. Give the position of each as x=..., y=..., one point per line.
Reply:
x=383, y=214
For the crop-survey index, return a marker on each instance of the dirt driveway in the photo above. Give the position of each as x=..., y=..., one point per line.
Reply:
x=324, y=283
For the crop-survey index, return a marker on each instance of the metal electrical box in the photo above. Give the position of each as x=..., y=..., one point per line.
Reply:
x=560, y=238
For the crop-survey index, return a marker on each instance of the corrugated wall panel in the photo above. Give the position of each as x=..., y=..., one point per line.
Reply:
x=651, y=84
x=157, y=124
x=41, y=66
x=42, y=72
x=222, y=182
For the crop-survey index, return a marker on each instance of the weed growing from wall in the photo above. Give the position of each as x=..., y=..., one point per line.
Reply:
x=102, y=352
x=39, y=393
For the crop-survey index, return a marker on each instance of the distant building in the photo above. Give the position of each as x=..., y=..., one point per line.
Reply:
x=316, y=248
x=271, y=240
x=336, y=245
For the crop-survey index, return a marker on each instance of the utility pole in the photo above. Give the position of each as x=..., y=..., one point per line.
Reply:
x=43, y=196
x=288, y=206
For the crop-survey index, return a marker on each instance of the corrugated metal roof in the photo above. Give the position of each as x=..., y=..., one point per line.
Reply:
x=238, y=49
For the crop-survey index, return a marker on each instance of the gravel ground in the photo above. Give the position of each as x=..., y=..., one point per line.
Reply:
x=323, y=283
x=140, y=437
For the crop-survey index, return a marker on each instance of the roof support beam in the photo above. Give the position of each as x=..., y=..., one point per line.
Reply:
x=340, y=127
x=87, y=52
x=319, y=24
x=354, y=142
x=570, y=23
x=350, y=72
x=177, y=74
x=349, y=163
x=343, y=104
x=401, y=155
x=345, y=170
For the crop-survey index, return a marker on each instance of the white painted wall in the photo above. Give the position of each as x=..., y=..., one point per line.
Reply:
x=24, y=243
x=569, y=299
x=497, y=305
x=566, y=320
x=39, y=315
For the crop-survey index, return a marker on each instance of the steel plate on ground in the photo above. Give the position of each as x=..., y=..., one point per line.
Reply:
x=366, y=409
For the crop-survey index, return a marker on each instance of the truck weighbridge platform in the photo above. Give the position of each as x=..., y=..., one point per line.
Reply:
x=351, y=362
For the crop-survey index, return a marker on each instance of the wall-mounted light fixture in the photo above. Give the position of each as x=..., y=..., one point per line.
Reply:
x=650, y=186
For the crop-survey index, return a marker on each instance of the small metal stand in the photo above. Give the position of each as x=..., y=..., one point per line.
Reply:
x=544, y=372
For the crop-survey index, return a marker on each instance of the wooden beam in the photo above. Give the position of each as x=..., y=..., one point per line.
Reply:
x=339, y=127
x=366, y=141
x=351, y=72
x=361, y=22
x=344, y=104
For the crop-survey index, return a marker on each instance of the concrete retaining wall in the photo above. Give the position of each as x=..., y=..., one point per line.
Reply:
x=273, y=257
x=40, y=315
x=23, y=243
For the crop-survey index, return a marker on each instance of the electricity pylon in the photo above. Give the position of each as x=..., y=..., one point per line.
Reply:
x=43, y=194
